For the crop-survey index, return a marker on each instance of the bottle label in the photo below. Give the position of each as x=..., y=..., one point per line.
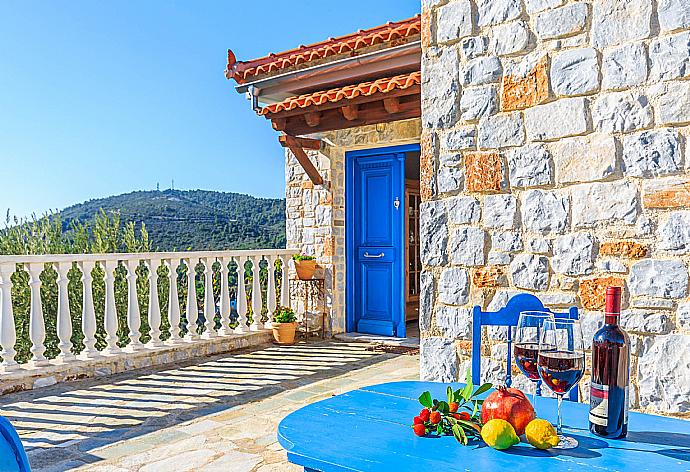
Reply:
x=599, y=404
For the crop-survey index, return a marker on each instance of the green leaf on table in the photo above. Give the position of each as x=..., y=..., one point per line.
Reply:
x=485, y=387
x=443, y=408
x=425, y=399
x=466, y=392
x=439, y=429
x=475, y=409
x=459, y=434
x=458, y=395
x=468, y=378
x=449, y=394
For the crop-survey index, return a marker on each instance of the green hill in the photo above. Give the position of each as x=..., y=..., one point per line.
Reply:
x=194, y=219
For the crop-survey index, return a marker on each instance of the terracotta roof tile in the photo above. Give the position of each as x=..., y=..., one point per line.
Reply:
x=391, y=31
x=348, y=92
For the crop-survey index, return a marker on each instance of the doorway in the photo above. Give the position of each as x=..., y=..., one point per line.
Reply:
x=382, y=239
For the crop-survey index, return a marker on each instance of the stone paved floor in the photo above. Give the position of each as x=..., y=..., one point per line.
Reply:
x=215, y=414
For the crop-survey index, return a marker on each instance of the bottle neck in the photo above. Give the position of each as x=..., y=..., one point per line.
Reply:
x=611, y=318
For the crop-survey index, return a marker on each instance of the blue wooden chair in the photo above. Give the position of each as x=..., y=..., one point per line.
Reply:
x=12, y=455
x=508, y=317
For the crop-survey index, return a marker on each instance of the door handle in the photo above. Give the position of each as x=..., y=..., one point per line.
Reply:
x=369, y=256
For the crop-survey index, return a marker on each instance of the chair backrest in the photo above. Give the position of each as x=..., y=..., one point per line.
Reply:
x=12, y=454
x=508, y=317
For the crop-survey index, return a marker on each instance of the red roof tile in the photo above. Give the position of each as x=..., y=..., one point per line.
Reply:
x=391, y=31
x=348, y=92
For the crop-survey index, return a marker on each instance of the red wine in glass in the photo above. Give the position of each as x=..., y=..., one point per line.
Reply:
x=526, y=359
x=561, y=370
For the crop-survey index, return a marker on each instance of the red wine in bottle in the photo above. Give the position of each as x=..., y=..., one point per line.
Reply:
x=608, y=396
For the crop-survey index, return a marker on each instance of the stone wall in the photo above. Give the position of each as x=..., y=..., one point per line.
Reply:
x=316, y=214
x=568, y=121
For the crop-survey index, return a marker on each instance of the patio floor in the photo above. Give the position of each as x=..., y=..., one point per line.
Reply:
x=218, y=413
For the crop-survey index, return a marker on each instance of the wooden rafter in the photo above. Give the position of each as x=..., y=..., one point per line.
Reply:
x=293, y=144
x=304, y=143
x=392, y=105
x=360, y=111
x=350, y=112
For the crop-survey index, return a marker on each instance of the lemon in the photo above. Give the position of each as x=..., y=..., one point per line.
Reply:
x=499, y=434
x=541, y=434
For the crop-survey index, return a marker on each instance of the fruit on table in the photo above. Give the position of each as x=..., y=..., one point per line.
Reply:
x=419, y=429
x=435, y=417
x=453, y=407
x=508, y=404
x=417, y=420
x=424, y=414
x=499, y=434
x=541, y=434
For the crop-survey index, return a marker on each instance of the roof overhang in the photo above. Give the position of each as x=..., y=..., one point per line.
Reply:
x=387, y=62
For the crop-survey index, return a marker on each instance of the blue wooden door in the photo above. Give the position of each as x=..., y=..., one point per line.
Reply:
x=375, y=225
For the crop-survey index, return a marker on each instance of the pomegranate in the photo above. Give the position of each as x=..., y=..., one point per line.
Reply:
x=508, y=404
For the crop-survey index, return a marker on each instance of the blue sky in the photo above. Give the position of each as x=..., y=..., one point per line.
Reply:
x=101, y=98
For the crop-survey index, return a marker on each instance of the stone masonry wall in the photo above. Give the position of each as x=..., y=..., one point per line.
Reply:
x=555, y=147
x=316, y=215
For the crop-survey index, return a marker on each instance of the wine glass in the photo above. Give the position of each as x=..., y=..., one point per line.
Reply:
x=526, y=346
x=561, y=363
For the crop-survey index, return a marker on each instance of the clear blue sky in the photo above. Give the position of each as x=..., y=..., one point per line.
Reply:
x=101, y=98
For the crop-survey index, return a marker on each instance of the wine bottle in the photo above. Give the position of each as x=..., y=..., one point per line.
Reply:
x=608, y=396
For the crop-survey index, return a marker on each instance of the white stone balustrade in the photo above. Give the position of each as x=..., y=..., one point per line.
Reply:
x=219, y=267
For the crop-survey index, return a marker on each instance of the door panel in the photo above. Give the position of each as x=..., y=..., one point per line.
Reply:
x=377, y=233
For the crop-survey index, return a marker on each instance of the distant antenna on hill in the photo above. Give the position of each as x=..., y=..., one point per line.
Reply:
x=158, y=187
x=172, y=185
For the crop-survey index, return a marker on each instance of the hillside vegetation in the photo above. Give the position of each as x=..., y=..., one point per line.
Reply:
x=193, y=219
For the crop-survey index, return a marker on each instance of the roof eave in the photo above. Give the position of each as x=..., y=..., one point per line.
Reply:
x=401, y=58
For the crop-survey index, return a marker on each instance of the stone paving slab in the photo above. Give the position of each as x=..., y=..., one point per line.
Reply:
x=219, y=413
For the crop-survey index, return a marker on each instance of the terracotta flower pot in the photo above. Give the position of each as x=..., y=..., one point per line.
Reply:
x=305, y=269
x=284, y=333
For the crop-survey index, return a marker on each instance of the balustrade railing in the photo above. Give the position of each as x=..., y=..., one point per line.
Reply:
x=105, y=302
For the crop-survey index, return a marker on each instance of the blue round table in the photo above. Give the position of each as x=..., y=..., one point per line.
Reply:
x=369, y=430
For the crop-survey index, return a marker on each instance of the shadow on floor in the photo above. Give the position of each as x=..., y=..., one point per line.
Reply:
x=68, y=420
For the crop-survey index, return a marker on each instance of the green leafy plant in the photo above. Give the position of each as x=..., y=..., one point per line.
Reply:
x=284, y=314
x=458, y=415
x=303, y=257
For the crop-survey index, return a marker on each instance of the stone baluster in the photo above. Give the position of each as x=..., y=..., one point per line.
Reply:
x=241, y=299
x=257, y=325
x=209, y=300
x=88, y=313
x=284, y=282
x=64, y=318
x=8, y=334
x=154, y=312
x=192, y=308
x=271, y=292
x=173, y=303
x=224, y=298
x=133, y=314
x=37, y=329
x=110, y=316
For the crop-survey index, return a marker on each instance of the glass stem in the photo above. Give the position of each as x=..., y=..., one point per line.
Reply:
x=534, y=398
x=559, y=427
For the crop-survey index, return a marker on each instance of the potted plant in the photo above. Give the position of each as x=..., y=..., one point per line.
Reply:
x=284, y=325
x=305, y=266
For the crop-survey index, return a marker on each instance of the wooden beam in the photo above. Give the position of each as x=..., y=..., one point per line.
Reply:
x=368, y=114
x=279, y=123
x=313, y=118
x=392, y=105
x=414, y=90
x=350, y=112
x=304, y=143
x=293, y=145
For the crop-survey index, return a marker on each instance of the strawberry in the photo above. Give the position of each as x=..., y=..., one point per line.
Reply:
x=419, y=429
x=453, y=407
x=424, y=414
x=417, y=420
x=435, y=417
